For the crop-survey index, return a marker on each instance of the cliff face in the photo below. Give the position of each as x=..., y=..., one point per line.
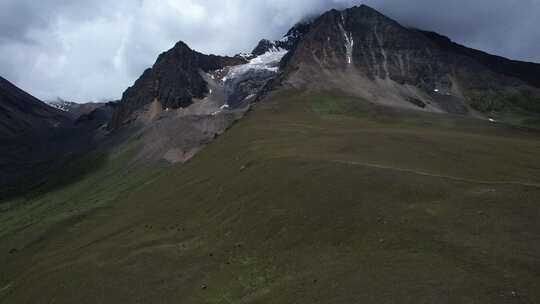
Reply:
x=288, y=42
x=174, y=81
x=375, y=45
x=361, y=51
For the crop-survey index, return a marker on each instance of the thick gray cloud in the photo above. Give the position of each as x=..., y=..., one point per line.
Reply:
x=94, y=49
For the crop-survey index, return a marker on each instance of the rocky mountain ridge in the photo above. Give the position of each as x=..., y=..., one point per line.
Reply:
x=364, y=53
x=181, y=75
x=174, y=81
x=288, y=42
x=358, y=51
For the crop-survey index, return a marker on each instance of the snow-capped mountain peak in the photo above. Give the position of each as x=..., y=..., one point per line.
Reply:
x=60, y=104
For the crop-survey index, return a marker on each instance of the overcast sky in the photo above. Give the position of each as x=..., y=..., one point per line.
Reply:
x=94, y=49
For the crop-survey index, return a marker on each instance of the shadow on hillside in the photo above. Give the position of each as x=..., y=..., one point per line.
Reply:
x=51, y=176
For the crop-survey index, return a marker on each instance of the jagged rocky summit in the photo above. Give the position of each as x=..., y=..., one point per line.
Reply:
x=358, y=51
x=181, y=76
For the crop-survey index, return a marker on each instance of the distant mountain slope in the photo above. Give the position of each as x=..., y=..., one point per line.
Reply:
x=36, y=138
x=21, y=113
x=526, y=71
x=26, y=127
x=73, y=109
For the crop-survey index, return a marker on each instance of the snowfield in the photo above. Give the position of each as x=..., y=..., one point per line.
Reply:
x=267, y=61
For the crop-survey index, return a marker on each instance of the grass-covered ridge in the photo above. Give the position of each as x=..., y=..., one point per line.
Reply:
x=309, y=199
x=518, y=107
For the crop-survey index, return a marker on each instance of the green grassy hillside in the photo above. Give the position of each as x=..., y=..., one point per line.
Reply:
x=309, y=199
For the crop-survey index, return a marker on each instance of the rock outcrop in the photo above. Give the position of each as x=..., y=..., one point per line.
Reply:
x=174, y=81
x=288, y=42
x=99, y=116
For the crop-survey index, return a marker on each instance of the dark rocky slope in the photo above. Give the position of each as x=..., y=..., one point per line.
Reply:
x=22, y=114
x=174, y=81
x=365, y=53
x=36, y=138
x=27, y=126
x=525, y=71
x=97, y=117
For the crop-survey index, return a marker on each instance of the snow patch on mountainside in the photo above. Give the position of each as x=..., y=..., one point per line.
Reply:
x=268, y=61
x=349, y=42
x=60, y=104
x=238, y=85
